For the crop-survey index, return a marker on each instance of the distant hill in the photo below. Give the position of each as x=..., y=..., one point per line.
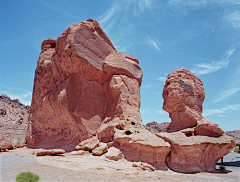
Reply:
x=155, y=127
x=235, y=134
x=13, y=119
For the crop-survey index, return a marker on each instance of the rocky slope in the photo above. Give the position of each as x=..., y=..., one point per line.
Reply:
x=235, y=134
x=13, y=120
x=155, y=127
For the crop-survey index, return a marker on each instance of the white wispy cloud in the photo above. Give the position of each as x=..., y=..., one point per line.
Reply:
x=200, y=3
x=226, y=94
x=233, y=19
x=161, y=111
x=212, y=31
x=24, y=98
x=116, y=21
x=162, y=79
x=153, y=42
x=221, y=111
x=144, y=4
x=146, y=85
x=206, y=68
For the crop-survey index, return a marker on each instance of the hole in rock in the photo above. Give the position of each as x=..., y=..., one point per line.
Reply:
x=53, y=45
x=128, y=132
x=132, y=123
x=189, y=134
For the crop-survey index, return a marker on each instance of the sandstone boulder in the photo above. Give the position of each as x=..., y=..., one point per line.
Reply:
x=192, y=154
x=143, y=166
x=82, y=87
x=43, y=152
x=208, y=128
x=79, y=152
x=114, y=154
x=88, y=144
x=138, y=144
x=101, y=149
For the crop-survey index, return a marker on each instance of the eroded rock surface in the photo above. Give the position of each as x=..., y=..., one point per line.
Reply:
x=101, y=149
x=138, y=144
x=82, y=87
x=88, y=144
x=183, y=95
x=13, y=120
x=192, y=154
x=5, y=143
x=196, y=143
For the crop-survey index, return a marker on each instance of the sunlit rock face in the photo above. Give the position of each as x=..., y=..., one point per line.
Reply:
x=82, y=87
x=196, y=143
x=183, y=96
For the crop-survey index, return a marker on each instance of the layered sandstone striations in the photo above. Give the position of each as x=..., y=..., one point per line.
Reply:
x=138, y=144
x=82, y=87
x=13, y=121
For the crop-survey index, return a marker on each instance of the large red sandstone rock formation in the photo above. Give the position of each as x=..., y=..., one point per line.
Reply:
x=13, y=121
x=82, y=87
x=183, y=96
x=196, y=143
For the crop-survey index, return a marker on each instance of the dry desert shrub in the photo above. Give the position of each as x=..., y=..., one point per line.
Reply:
x=27, y=177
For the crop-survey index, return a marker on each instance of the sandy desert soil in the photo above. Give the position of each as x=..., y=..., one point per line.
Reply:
x=92, y=168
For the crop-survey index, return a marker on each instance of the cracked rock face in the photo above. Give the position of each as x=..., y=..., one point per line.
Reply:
x=82, y=87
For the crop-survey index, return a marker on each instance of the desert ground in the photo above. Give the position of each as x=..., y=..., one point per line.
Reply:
x=95, y=168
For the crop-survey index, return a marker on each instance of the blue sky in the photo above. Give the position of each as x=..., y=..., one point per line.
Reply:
x=202, y=36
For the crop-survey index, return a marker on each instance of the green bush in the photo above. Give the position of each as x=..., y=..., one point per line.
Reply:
x=27, y=177
x=236, y=150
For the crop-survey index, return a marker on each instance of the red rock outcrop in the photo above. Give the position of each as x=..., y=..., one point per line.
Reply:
x=183, y=96
x=196, y=143
x=192, y=154
x=140, y=145
x=13, y=120
x=82, y=87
